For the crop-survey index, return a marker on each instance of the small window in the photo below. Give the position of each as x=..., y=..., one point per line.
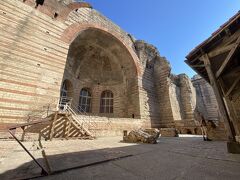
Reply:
x=85, y=100
x=106, y=104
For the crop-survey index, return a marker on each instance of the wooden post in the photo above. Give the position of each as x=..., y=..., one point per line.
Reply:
x=229, y=108
x=23, y=134
x=44, y=155
x=51, y=133
x=232, y=115
x=222, y=108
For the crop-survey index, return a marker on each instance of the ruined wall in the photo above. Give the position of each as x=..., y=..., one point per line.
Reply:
x=188, y=97
x=206, y=99
x=162, y=82
x=183, y=103
x=34, y=44
x=168, y=100
x=208, y=107
x=147, y=91
x=175, y=98
x=34, y=47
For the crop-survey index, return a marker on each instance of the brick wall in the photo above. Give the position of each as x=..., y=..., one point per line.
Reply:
x=35, y=47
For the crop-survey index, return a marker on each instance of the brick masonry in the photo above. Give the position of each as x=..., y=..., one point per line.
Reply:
x=39, y=46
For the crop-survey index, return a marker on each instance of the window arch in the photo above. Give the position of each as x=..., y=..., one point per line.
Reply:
x=66, y=89
x=85, y=100
x=106, y=104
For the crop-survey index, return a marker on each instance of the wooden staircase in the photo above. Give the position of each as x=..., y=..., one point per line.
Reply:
x=65, y=122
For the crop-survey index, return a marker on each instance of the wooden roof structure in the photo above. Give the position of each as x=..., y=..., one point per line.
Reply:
x=211, y=46
x=217, y=60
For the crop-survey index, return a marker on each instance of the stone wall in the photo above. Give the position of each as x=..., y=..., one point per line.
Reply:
x=206, y=99
x=208, y=108
x=147, y=92
x=41, y=46
x=34, y=47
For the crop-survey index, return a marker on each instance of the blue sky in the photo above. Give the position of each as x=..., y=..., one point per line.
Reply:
x=175, y=27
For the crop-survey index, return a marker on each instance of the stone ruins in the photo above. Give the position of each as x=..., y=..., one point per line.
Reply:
x=53, y=49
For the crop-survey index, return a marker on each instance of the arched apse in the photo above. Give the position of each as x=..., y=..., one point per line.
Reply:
x=99, y=61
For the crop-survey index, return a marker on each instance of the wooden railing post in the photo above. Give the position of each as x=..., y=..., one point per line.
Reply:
x=51, y=133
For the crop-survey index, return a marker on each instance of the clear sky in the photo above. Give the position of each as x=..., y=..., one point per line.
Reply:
x=175, y=27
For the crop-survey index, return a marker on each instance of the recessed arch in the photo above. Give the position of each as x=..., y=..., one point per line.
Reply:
x=98, y=60
x=72, y=32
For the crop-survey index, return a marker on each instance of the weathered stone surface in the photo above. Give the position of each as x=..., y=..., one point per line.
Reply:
x=143, y=136
x=207, y=106
x=71, y=42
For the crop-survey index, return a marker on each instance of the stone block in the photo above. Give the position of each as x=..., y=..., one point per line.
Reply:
x=144, y=136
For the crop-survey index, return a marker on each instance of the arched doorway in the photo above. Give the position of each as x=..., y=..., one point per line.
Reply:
x=99, y=61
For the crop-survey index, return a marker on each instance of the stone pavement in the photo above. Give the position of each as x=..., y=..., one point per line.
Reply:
x=172, y=158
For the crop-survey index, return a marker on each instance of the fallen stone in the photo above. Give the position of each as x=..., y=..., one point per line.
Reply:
x=148, y=136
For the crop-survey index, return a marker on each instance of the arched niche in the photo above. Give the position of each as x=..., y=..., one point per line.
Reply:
x=99, y=61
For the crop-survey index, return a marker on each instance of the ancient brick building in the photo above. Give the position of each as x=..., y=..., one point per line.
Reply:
x=55, y=48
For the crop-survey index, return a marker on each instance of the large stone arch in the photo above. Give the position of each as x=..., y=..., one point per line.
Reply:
x=72, y=31
x=99, y=60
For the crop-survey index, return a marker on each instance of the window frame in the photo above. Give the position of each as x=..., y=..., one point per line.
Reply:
x=106, y=102
x=85, y=101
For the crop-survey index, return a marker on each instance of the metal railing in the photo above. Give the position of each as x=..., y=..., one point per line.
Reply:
x=82, y=117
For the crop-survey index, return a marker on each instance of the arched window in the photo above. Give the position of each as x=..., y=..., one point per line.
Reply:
x=85, y=100
x=66, y=88
x=66, y=93
x=106, y=104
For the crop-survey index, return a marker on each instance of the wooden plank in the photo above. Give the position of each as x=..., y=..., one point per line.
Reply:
x=196, y=66
x=68, y=127
x=222, y=108
x=228, y=58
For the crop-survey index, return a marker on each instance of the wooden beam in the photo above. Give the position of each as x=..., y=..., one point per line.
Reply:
x=233, y=86
x=197, y=66
x=228, y=124
x=220, y=51
x=228, y=58
x=221, y=84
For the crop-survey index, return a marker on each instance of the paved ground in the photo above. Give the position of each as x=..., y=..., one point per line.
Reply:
x=172, y=158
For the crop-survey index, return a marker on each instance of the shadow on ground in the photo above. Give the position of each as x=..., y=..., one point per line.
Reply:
x=171, y=158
